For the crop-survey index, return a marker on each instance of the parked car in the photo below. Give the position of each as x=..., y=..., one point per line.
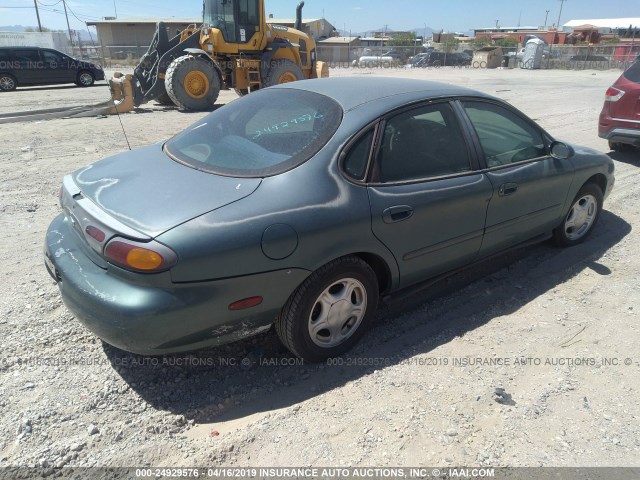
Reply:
x=371, y=61
x=22, y=66
x=620, y=117
x=441, y=59
x=588, y=58
x=304, y=204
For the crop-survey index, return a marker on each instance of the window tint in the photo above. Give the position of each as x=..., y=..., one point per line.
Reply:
x=505, y=137
x=633, y=72
x=5, y=56
x=355, y=163
x=29, y=56
x=263, y=134
x=421, y=143
x=51, y=57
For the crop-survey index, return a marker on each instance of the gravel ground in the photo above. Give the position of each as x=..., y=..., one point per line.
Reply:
x=531, y=359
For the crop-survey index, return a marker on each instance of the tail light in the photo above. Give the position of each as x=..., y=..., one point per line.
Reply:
x=613, y=94
x=151, y=257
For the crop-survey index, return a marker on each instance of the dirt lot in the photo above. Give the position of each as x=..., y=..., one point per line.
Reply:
x=557, y=329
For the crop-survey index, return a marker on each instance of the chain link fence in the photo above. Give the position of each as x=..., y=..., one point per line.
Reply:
x=592, y=57
x=566, y=57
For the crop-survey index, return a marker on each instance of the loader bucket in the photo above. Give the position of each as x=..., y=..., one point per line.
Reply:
x=122, y=97
x=322, y=70
x=122, y=101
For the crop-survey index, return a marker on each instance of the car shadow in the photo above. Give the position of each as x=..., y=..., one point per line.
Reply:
x=255, y=376
x=632, y=157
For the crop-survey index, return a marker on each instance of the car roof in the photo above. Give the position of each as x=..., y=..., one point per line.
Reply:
x=351, y=92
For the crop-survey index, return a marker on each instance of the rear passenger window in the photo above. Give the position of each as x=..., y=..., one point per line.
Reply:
x=28, y=56
x=422, y=143
x=5, y=58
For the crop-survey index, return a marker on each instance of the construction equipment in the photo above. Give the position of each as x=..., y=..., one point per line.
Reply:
x=234, y=48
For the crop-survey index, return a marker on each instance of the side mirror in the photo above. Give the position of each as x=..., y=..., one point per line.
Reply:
x=561, y=151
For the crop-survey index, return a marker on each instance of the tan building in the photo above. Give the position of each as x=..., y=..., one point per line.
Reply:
x=130, y=38
x=339, y=49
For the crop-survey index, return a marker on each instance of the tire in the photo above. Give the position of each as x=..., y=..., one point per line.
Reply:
x=193, y=83
x=282, y=71
x=620, y=147
x=300, y=322
x=581, y=218
x=165, y=99
x=85, y=79
x=7, y=83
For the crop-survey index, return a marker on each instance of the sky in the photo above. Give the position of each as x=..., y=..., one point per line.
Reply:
x=349, y=15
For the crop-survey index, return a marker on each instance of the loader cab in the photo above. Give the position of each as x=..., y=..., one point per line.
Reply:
x=237, y=20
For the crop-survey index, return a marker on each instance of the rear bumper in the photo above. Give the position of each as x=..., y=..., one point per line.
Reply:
x=629, y=136
x=149, y=315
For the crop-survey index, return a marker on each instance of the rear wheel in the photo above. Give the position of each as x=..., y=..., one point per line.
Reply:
x=85, y=79
x=582, y=217
x=330, y=311
x=192, y=83
x=7, y=82
x=282, y=71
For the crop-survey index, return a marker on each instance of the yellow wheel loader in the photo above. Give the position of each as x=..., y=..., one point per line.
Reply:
x=234, y=48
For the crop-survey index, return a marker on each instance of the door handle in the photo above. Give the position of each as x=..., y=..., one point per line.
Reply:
x=397, y=214
x=508, y=189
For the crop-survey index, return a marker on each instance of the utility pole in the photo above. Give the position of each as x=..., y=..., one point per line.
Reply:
x=115, y=9
x=64, y=3
x=35, y=2
x=546, y=17
x=560, y=14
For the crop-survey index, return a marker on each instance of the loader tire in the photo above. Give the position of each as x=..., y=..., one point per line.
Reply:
x=282, y=71
x=192, y=83
x=164, y=99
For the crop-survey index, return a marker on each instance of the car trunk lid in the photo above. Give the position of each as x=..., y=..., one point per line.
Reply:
x=150, y=193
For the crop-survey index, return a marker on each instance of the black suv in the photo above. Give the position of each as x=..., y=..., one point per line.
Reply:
x=21, y=66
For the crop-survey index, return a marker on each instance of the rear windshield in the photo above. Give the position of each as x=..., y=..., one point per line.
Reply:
x=260, y=135
x=633, y=72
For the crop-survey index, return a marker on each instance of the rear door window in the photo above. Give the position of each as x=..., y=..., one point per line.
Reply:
x=28, y=57
x=633, y=72
x=422, y=143
x=5, y=58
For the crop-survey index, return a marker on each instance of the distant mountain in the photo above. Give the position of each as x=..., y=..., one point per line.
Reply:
x=420, y=32
x=12, y=28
